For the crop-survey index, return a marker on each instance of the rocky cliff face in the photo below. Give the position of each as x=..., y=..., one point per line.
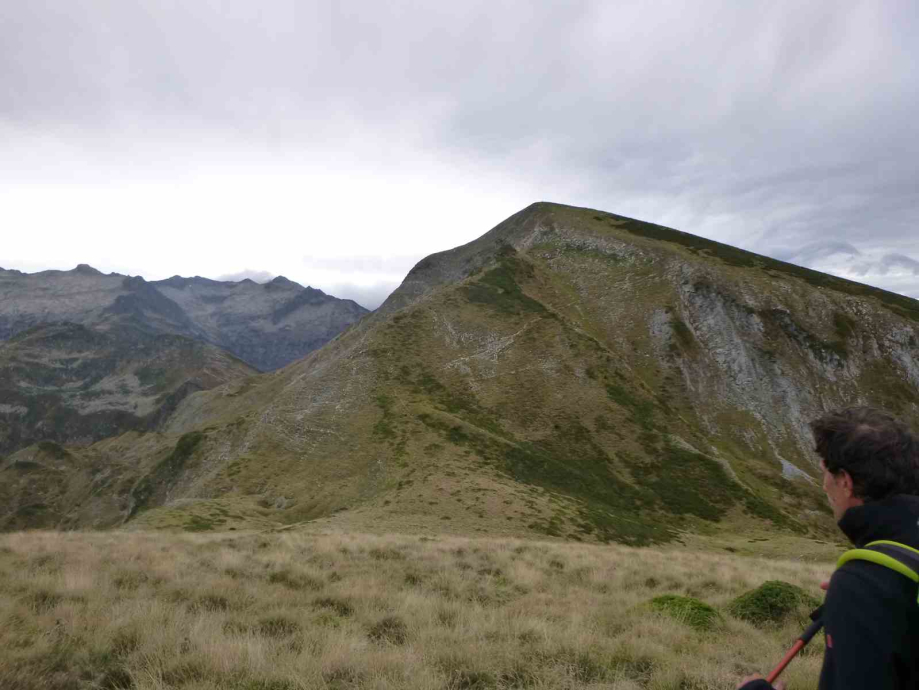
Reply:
x=267, y=326
x=571, y=373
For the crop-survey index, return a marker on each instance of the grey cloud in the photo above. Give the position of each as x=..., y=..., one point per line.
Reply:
x=858, y=268
x=814, y=252
x=891, y=261
x=368, y=296
x=768, y=125
x=364, y=263
x=257, y=276
x=894, y=272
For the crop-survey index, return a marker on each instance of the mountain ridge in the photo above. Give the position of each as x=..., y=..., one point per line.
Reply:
x=569, y=374
x=223, y=313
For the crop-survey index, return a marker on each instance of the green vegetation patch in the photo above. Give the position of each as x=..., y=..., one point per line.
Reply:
x=893, y=392
x=694, y=613
x=682, y=481
x=390, y=629
x=151, y=375
x=278, y=626
x=340, y=607
x=569, y=462
x=683, y=334
x=828, y=352
x=772, y=603
x=499, y=289
x=56, y=451
x=197, y=523
x=385, y=428
x=845, y=325
x=685, y=482
x=166, y=472
x=294, y=580
x=447, y=399
x=641, y=410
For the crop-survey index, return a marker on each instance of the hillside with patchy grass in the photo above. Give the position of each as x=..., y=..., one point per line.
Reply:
x=572, y=374
x=67, y=383
x=291, y=611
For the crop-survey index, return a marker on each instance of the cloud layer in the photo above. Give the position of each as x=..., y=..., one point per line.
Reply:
x=224, y=134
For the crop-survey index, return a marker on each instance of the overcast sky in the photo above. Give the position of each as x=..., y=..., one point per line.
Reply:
x=337, y=143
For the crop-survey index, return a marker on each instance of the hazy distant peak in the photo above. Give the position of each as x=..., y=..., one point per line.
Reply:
x=181, y=282
x=281, y=282
x=176, y=281
x=133, y=282
x=268, y=328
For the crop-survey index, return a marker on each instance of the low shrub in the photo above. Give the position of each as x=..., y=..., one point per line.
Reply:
x=772, y=603
x=694, y=613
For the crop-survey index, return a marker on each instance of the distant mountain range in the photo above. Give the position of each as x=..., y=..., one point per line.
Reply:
x=266, y=325
x=571, y=373
x=85, y=356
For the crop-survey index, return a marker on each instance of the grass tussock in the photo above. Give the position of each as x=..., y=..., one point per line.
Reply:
x=151, y=611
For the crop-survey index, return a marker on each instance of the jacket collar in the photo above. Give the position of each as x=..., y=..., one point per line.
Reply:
x=892, y=519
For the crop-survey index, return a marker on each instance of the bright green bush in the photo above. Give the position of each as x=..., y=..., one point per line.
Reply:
x=772, y=603
x=694, y=613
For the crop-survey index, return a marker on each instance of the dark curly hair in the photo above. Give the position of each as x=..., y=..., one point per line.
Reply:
x=877, y=450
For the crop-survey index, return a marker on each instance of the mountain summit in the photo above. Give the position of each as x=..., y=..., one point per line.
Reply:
x=571, y=373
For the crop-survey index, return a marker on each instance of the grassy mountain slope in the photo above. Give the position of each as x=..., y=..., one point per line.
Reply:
x=73, y=384
x=571, y=373
x=66, y=383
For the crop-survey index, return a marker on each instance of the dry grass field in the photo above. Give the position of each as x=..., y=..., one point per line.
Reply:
x=291, y=610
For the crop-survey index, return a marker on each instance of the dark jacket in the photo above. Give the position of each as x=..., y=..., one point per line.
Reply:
x=871, y=615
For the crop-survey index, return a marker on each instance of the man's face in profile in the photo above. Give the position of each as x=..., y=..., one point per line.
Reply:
x=838, y=491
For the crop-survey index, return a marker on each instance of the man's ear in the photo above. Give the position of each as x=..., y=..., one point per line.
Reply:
x=846, y=482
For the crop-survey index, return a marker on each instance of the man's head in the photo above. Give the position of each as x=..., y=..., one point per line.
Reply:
x=866, y=455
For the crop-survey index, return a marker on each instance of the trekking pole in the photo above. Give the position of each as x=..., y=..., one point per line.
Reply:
x=806, y=637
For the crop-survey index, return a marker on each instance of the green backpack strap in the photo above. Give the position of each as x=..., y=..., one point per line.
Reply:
x=904, y=559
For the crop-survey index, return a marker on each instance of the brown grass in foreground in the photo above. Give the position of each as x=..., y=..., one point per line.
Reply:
x=295, y=610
